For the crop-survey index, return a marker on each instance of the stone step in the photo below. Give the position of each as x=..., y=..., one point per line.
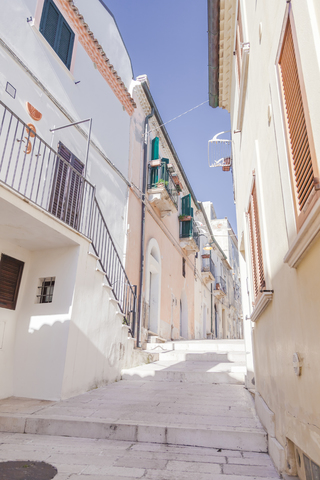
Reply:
x=188, y=371
x=180, y=356
x=208, y=345
x=231, y=438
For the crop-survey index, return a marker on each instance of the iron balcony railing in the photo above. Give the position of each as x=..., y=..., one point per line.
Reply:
x=221, y=285
x=208, y=265
x=160, y=176
x=36, y=171
x=189, y=229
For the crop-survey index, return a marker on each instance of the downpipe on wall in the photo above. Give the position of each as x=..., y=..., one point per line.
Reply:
x=143, y=221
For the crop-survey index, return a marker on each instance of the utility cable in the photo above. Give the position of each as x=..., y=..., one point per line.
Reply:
x=169, y=121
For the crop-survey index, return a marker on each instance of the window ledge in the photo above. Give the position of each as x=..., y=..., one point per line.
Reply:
x=263, y=302
x=304, y=240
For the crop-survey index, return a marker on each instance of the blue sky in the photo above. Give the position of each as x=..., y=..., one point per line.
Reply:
x=167, y=40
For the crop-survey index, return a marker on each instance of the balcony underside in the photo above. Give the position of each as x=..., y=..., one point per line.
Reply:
x=219, y=293
x=28, y=226
x=207, y=276
x=189, y=245
x=160, y=198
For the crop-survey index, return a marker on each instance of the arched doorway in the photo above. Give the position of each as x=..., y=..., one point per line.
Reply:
x=153, y=285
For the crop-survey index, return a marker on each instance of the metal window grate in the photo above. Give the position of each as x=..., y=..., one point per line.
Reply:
x=46, y=288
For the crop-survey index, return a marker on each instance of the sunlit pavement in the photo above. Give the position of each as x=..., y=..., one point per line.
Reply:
x=188, y=414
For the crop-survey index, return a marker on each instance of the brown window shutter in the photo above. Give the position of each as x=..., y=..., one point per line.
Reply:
x=256, y=247
x=10, y=278
x=66, y=194
x=299, y=145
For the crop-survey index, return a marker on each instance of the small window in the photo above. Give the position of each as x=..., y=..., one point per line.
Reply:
x=10, y=278
x=46, y=290
x=183, y=267
x=57, y=32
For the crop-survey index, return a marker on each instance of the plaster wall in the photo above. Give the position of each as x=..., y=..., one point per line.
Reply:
x=91, y=98
x=290, y=323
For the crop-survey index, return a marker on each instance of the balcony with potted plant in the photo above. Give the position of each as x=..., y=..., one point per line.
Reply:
x=162, y=190
x=220, y=289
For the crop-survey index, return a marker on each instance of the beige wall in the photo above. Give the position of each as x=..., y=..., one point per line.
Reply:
x=291, y=321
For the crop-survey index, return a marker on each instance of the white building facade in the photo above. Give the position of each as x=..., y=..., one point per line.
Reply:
x=64, y=293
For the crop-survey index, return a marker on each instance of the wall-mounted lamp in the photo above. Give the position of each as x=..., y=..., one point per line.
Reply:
x=207, y=247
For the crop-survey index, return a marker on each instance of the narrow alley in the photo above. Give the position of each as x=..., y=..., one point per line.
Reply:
x=186, y=414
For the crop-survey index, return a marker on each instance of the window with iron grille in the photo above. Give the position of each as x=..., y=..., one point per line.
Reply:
x=45, y=290
x=303, y=165
x=10, y=279
x=255, y=242
x=57, y=32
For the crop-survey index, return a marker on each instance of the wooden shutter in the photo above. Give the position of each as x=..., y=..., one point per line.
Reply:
x=186, y=205
x=50, y=22
x=10, y=278
x=155, y=149
x=298, y=140
x=65, y=45
x=66, y=195
x=256, y=247
x=164, y=169
x=186, y=209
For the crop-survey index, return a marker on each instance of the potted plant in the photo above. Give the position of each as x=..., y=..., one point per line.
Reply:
x=185, y=218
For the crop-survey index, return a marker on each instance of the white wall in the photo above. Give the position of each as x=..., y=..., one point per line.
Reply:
x=91, y=98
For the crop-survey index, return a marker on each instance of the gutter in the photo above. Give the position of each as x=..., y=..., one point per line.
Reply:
x=168, y=140
x=143, y=220
x=213, y=51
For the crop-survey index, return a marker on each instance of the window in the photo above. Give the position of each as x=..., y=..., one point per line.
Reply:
x=255, y=241
x=57, y=32
x=299, y=137
x=66, y=193
x=46, y=290
x=186, y=211
x=183, y=267
x=10, y=278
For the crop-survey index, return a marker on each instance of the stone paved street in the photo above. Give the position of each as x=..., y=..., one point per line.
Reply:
x=178, y=427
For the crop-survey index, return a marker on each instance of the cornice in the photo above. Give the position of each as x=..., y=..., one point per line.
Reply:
x=96, y=53
x=227, y=31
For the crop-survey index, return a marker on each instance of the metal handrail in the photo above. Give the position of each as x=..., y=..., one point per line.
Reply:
x=159, y=176
x=35, y=170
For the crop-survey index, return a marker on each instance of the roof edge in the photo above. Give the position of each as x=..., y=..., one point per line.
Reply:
x=168, y=140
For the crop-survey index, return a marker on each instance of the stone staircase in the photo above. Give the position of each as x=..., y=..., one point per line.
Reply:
x=193, y=396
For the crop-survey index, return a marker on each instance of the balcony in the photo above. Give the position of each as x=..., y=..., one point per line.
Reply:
x=207, y=269
x=220, y=289
x=162, y=189
x=53, y=181
x=189, y=236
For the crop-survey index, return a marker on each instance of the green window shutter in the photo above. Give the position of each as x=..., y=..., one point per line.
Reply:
x=153, y=176
x=155, y=149
x=57, y=32
x=64, y=49
x=164, y=170
x=50, y=22
x=186, y=205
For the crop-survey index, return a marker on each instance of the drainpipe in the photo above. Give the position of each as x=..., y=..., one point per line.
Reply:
x=143, y=220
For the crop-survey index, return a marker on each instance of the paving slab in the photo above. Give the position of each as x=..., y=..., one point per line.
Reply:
x=116, y=460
